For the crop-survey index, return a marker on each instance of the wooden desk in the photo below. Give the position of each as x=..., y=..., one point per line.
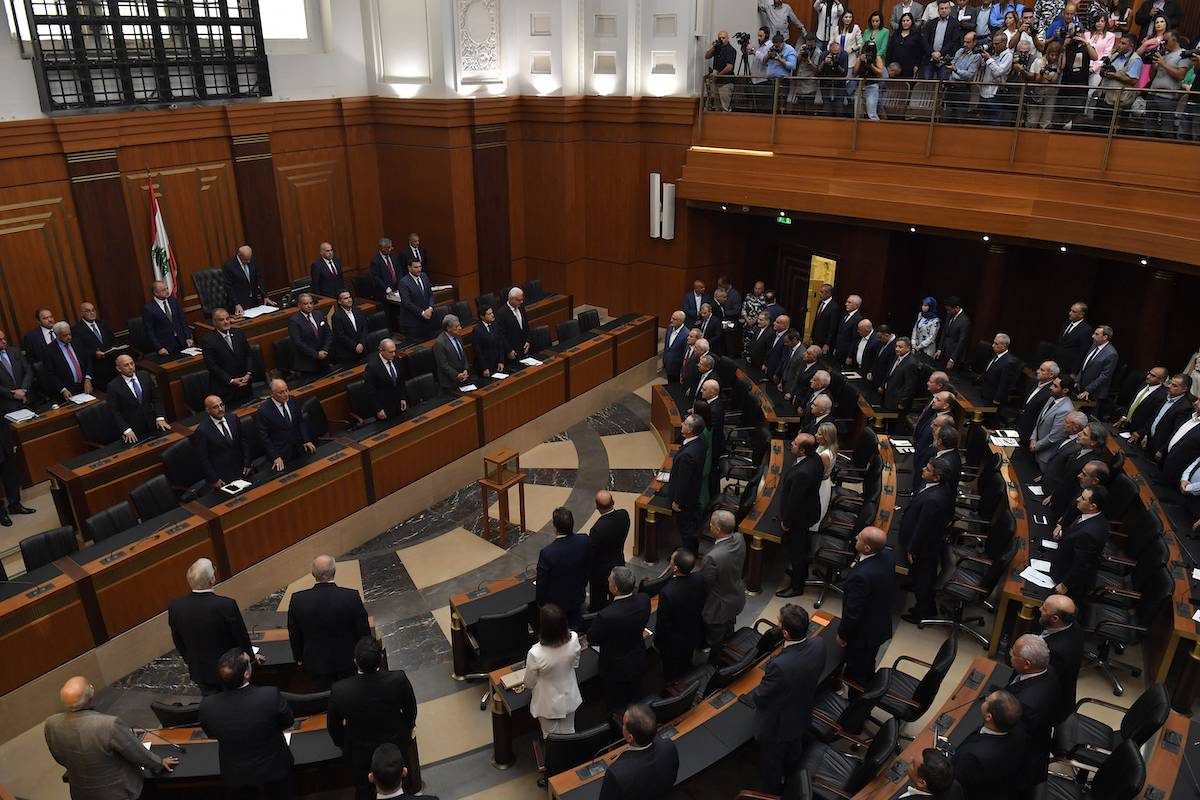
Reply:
x=591, y=359
x=550, y=310
x=523, y=396
x=637, y=339
x=51, y=437
x=1166, y=772
x=1019, y=600
x=665, y=416
x=496, y=597
x=776, y=417
x=267, y=329
x=868, y=409
x=649, y=506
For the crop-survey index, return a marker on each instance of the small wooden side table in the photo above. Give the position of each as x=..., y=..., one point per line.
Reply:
x=501, y=477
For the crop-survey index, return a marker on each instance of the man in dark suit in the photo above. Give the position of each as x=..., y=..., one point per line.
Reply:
x=798, y=392
x=826, y=320
x=449, y=355
x=416, y=303
x=866, y=348
x=710, y=392
x=415, y=253
x=94, y=335
x=311, y=338
x=607, y=540
x=649, y=767
x=899, y=383
x=385, y=270
x=868, y=596
x=514, y=325
x=692, y=301
x=326, y=277
x=248, y=723
x=762, y=339
x=487, y=351
x=1036, y=397
x=324, y=624
x=691, y=356
x=369, y=709
x=953, y=336
x=204, y=625
x=388, y=774
x=564, y=567
x=777, y=356
x=349, y=325
x=1091, y=439
x=709, y=327
x=1064, y=637
x=773, y=307
x=167, y=330
x=942, y=37
x=783, y=699
x=939, y=406
x=1099, y=364
x=985, y=761
x=385, y=382
x=679, y=624
x=702, y=370
x=945, y=443
x=675, y=345
x=133, y=400
x=222, y=450
x=922, y=530
x=1036, y=687
x=793, y=361
x=243, y=281
x=884, y=357
x=1182, y=449
x=282, y=428
x=227, y=357
x=1074, y=564
x=68, y=368
x=847, y=333
x=1064, y=454
x=1146, y=401
x=618, y=631
x=1174, y=411
x=16, y=379
x=931, y=773
x=1074, y=339
x=1001, y=372
x=36, y=340
x=683, y=489
x=800, y=509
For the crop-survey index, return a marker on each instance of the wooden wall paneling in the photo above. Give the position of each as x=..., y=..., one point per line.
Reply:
x=489, y=149
x=314, y=202
x=258, y=199
x=362, y=159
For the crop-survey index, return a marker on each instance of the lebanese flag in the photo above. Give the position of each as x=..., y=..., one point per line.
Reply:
x=161, y=255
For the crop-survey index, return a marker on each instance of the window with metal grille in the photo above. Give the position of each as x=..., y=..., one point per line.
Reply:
x=113, y=53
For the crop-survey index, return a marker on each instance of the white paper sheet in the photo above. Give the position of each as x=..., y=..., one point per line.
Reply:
x=441, y=286
x=1196, y=574
x=20, y=415
x=499, y=375
x=1125, y=434
x=1039, y=564
x=851, y=376
x=1049, y=544
x=1011, y=434
x=469, y=387
x=663, y=476
x=192, y=351
x=1035, y=490
x=287, y=737
x=1196, y=616
x=81, y=398
x=1003, y=441
x=531, y=362
x=258, y=311
x=1037, y=578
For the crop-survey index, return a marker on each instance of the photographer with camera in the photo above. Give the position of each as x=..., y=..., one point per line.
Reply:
x=1066, y=25
x=942, y=37
x=776, y=16
x=1118, y=76
x=828, y=13
x=780, y=62
x=963, y=69
x=994, y=104
x=834, y=67
x=1034, y=70
x=724, y=59
x=802, y=92
x=761, y=89
x=1170, y=67
x=870, y=71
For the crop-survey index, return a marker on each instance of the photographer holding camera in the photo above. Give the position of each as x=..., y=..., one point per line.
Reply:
x=724, y=59
x=1170, y=67
x=963, y=69
x=871, y=71
x=997, y=64
x=802, y=92
x=834, y=68
x=1118, y=76
x=942, y=37
x=776, y=15
x=1190, y=125
x=761, y=90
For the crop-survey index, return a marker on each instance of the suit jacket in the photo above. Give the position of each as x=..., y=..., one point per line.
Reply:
x=1096, y=377
x=825, y=324
x=884, y=358
x=324, y=624
x=550, y=675
x=248, y=724
x=59, y=374
x=869, y=589
x=408, y=257
x=386, y=279
x=679, y=623
x=366, y=711
x=1144, y=414
x=138, y=415
x=1055, y=471
x=221, y=458
x=607, y=540
x=869, y=354
x=21, y=377
x=563, y=569
x=793, y=365
x=955, y=474
x=308, y=340
x=243, y=292
x=998, y=379
x=716, y=412
x=687, y=474
x=323, y=281
x=801, y=388
x=724, y=589
x=102, y=757
x=224, y=363
x=953, y=337
x=385, y=394
x=618, y=632
x=1039, y=698
x=800, y=506
x=691, y=307
x=171, y=334
x=759, y=349
x=1067, y=491
x=203, y=627
x=450, y=361
x=897, y=10
x=513, y=334
x=951, y=40
x=783, y=699
x=486, y=348
x=645, y=774
x=777, y=357
x=847, y=336
x=281, y=438
x=1066, y=657
x=1175, y=415
x=85, y=338
x=710, y=329
x=1048, y=432
x=900, y=385
x=34, y=343
x=1179, y=456
x=347, y=335
x=413, y=302
x=673, y=352
x=925, y=519
x=1077, y=558
x=1070, y=348
x=984, y=764
x=1035, y=401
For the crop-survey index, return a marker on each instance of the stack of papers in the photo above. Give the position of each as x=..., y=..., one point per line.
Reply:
x=499, y=375
x=531, y=362
x=851, y=376
x=1004, y=441
x=258, y=311
x=1037, y=578
x=1007, y=433
x=902, y=445
x=20, y=415
x=1035, y=490
x=192, y=351
x=513, y=679
x=663, y=477
x=441, y=286
x=468, y=387
x=1040, y=565
x=81, y=398
x=1049, y=544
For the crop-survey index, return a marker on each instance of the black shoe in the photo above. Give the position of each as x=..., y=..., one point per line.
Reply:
x=5, y=520
x=789, y=592
x=17, y=508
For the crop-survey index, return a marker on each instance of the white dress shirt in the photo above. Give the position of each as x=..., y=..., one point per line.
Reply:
x=1184, y=429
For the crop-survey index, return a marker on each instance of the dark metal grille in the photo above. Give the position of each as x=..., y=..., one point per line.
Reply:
x=111, y=53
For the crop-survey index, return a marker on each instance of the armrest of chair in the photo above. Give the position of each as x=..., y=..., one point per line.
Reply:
x=925, y=664
x=747, y=795
x=968, y=535
x=471, y=640
x=767, y=622
x=1118, y=591
x=1119, y=625
x=1125, y=562
x=1083, y=701
x=970, y=587
x=984, y=561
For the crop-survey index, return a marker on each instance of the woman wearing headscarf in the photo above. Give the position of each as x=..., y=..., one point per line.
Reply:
x=925, y=330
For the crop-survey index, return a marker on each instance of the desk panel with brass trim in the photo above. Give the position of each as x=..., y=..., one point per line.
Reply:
x=508, y=404
x=43, y=624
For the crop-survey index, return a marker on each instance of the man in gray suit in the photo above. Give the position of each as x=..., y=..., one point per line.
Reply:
x=722, y=571
x=103, y=759
x=449, y=356
x=1096, y=373
x=794, y=364
x=1049, y=431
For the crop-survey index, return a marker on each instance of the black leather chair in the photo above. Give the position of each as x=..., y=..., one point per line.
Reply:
x=373, y=340
x=539, y=339
x=500, y=639
x=755, y=640
x=562, y=751
x=285, y=357
x=798, y=786
x=97, y=424
x=210, y=288
x=835, y=714
x=462, y=310
x=359, y=399
x=590, y=320
x=853, y=465
x=42, y=548
x=196, y=387
x=250, y=435
x=666, y=709
x=421, y=362
x=1088, y=741
x=377, y=321
x=908, y=697
x=305, y=705
x=109, y=522
x=318, y=423
x=970, y=587
x=567, y=330
x=176, y=715
x=421, y=389
x=154, y=497
x=488, y=300
x=1117, y=627
x=258, y=371
x=1120, y=777
x=137, y=334
x=182, y=468
x=533, y=290
x=365, y=286
x=837, y=775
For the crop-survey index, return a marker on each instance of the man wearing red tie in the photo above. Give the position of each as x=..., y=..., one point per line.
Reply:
x=326, y=273
x=70, y=369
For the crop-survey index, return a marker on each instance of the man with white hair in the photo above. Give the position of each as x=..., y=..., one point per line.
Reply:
x=820, y=408
x=674, y=347
x=281, y=426
x=68, y=368
x=204, y=625
x=324, y=624
x=102, y=757
x=847, y=332
x=703, y=371
x=514, y=325
x=683, y=490
x=998, y=376
x=1036, y=687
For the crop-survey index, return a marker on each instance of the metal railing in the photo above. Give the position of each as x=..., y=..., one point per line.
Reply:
x=1017, y=105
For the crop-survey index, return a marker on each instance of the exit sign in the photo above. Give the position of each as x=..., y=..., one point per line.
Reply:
x=784, y=220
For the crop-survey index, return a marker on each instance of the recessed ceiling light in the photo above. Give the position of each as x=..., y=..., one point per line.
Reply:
x=1062, y=248
x=1144, y=262
x=724, y=208
x=987, y=238
x=912, y=230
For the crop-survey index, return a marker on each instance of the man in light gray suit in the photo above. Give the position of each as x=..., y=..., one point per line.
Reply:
x=449, y=356
x=722, y=571
x=103, y=759
x=1049, y=431
x=795, y=360
x=1096, y=373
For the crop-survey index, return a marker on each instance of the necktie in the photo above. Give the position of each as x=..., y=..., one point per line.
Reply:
x=992, y=362
x=457, y=346
x=136, y=388
x=1070, y=327
x=1045, y=410
x=96, y=331
x=312, y=322
x=228, y=339
x=895, y=364
x=7, y=363
x=1137, y=401
x=75, y=371
x=1190, y=475
x=683, y=369
x=420, y=286
x=332, y=268
x=48, y=334
x=246, y=269
x=391, y=368
x=287, y=414
x=166, y=307
x=225, y=430
x=353, y=324
x=1092, y=353
x=416, y=253
x=388, y=260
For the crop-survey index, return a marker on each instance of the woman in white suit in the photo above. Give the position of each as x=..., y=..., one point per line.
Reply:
x=550, y=673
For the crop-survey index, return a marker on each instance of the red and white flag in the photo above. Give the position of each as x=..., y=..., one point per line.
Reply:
x=161, y=255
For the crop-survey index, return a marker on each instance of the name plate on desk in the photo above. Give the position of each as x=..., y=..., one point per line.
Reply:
x=722, y=699
x=591, y=770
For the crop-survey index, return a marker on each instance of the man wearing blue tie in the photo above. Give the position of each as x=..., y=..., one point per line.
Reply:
x=449, y=356
x=133, y=398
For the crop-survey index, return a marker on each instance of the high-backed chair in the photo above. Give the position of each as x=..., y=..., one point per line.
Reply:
x=590, y=320
x=196, y=387
x=667, y=709
x=154, y=497
x=285, y=356
x=373, y=340
x=175, y=715
x=567, y=330
x=137, y=334
x=365, y=286
x=1088, y=741
x=421, y=389
x=1120, y=777
x=210, y=288
x=835, y=713
x=359, y=399
x=42, y=548
x=533, y=290
x=909, y=696
x=421, y=361
x=462, y=310
x=1117, y=628
x=182, y=469
x=110, y=522
x=838, y=775
x=966, y=588
x=539, y=339
x=798, y=786
x=377, y=321
x=251, y=437
x=500, y=639
x=305, y=705
x=97, y=424
x=318, y=423
x=562, y=751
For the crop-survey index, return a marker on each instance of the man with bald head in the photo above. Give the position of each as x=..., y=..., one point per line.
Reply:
x=923, y=444
x=102, y=757
x=312, y=338
x=869, y=592
x=675, y=346
x=607, y=542
x=167, y=330
x=985, y=761
x=843, y=354
x=777, y=355
x=324, y=623
x=94, y=335
x=243, y=281
x=222, y=450
x=227, y=358
x=800, y=509
x=204, y=625
x=133, y=399
x=326, y=276
x=385, y=383
x=866, y=347
x=281, y=425
x=1064, y=637
x=710, y=392
x=687, y=474
x=799, y=391
x=1036, y=687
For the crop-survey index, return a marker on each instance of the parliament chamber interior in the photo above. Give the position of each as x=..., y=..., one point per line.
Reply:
x=505, y=399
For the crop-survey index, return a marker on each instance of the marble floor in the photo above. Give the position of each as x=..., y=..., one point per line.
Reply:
x=408, y=572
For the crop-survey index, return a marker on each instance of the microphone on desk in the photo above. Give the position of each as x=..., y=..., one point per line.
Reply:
x=20, y=583
x=162, y=738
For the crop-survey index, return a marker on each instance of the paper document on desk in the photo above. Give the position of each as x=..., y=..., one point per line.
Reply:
x=81, y=398
x=852, y=376
x=663, y=476
x=1037, y=578
x=255, y=648
x=531, y=362
x=1040, y=565
x=1125, y=434
x=394, y=298
x=1049, y=544
x=1035, y=490
x=1004, y=441
x=258, y=311
x=898, y=443
x=192, y=351
x=441, y=286
x=513, y=679
x=499, y=375
x=20, y=415
x=468, y=387
x=1008, y=433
